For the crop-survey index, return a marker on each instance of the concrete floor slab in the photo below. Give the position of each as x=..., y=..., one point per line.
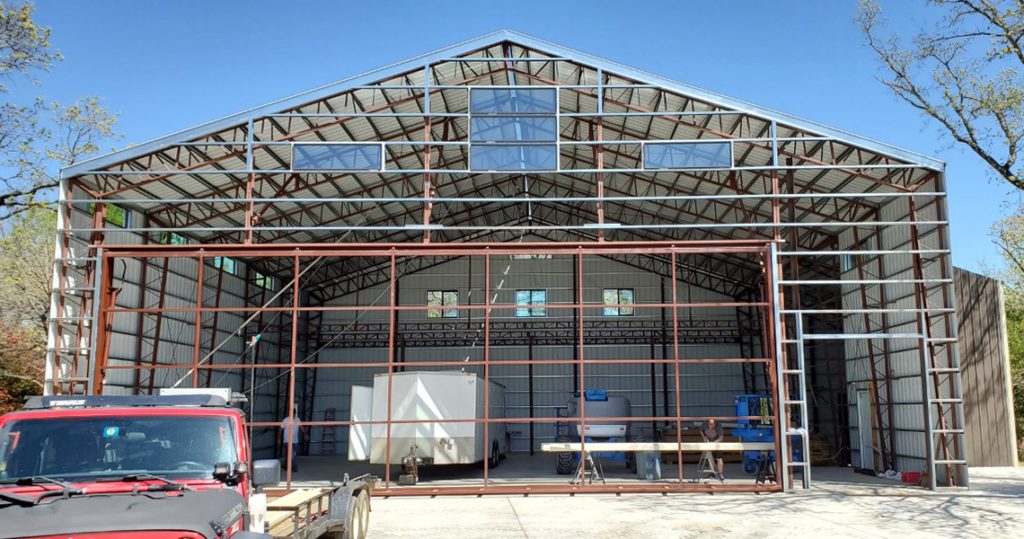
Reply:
x=842, y=504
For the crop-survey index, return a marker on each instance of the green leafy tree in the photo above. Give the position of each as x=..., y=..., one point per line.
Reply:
x=1008, y=234
x=26, y=256
x=39, y=137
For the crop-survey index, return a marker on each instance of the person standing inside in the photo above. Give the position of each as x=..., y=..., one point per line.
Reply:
x=291, y=431
x=711, y=431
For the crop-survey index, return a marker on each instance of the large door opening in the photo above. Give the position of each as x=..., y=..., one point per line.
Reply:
x=551, y=332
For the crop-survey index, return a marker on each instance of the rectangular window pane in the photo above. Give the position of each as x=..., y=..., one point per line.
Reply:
x=433, y=299
x=442, y=298
x=514, y=128
x=450, y=298
x=336, y=157
x=172, y=238
x=625, y=298
x=531, y=297
x=539, y=297
x=512, y=100
x=264, y=281
x=116, y=215
x=610, y=298
x=225, y=263
x=687, y=155
x=618, y=296
x=513, y=157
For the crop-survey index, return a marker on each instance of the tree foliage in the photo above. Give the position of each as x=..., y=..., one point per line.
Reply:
x=38, y=137
x=967, y=74
x=1008, y=234
x=26, y=256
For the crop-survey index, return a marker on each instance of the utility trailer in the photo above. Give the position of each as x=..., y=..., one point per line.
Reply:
x=308, y=513
x=431, y=397
x=156, y=466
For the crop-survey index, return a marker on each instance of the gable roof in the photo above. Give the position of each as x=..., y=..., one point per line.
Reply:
x=484, y=41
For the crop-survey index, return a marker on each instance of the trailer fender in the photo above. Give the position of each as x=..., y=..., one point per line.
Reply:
x=350, y=505
x=342, y=503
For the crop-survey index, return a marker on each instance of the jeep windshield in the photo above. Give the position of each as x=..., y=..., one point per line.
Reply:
x=90, y=448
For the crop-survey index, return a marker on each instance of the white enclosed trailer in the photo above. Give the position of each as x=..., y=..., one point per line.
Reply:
x=431, y=396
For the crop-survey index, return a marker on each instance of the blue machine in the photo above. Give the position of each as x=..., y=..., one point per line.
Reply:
x=758, y=430
x=598, y=405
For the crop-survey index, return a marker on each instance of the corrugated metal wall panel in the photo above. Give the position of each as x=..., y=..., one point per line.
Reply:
x=988, y=404
x=553, y=384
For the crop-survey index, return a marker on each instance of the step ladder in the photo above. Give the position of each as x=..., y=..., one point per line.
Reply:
x=589, y=469
x=327, y=432
x=706, y=469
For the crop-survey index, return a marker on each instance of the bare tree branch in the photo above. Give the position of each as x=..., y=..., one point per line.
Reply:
x=977, y=98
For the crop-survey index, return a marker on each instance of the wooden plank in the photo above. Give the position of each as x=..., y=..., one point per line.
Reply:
x=295, y=499
x=284, y=529
x=659, y=446
x=275, y=518
x=281, y=524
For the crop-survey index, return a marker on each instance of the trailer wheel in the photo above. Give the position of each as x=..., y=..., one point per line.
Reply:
x=358, y=520
x=495, y=458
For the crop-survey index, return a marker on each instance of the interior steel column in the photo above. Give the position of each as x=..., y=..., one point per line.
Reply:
x=291, y=370
x=197, y=336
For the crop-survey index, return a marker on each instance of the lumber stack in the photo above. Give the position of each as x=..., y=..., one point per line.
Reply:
x=822, y=452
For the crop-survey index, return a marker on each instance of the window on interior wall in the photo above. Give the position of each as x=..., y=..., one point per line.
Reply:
x=618, y=296
x=850, y=261
x=172, y=238
x=525, y=298
x=264, y=281
x=116, y=215
x=444, y=300
x=529, y=257
x=226, y=264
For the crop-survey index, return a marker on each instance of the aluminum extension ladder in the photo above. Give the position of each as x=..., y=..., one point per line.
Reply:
x=327, y=439
x=795, y=426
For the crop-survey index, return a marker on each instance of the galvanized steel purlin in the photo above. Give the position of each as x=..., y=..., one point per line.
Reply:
x=773, y=143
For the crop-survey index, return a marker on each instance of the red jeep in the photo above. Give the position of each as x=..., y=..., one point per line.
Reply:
x=152, y=466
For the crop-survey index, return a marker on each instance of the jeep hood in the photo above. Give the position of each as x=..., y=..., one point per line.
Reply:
x=207, y=513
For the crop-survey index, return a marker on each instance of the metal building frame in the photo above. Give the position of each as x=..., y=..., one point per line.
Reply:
x=800, y=195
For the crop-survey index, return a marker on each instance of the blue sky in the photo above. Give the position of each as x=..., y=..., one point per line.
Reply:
x=164, y=66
